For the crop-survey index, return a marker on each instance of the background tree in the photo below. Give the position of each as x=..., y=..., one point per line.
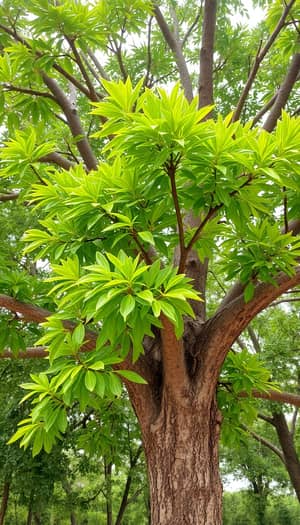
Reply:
x=134, y=201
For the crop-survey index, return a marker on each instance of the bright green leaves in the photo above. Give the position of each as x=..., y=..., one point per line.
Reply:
x=21, y=154
x=119, y=292
x=242, y=373
x=261, y=252
x=158, y=125
x=48, y=419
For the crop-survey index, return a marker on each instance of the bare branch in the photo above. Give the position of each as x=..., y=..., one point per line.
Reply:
x=265, y=442
x=205, y=89
x=283, y=93
x=4, y=197
x=101, y=70
x=92, y=92
x=171, y=171
x=58, y=159
x=73, y=119
x=176, y=48
x=34, y=92
x=36, y=352
x=192, y=26
x=264, y=110
x=149, y=55
x=254, y=339
x=259, y=58
x=274, y=395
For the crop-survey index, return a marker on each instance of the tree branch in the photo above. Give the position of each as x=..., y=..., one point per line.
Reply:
x=221, y=330
x=238, y=288
x=176, y=48
x=283, y=93
x=265, y=442
x=192, y=26
x=73, y=119
x=92, y=92
x=274, y=395
x=101, y=70
x=258, y=59
x=205, y=89
x=39, y=54
x=34, y=92
x=4, y=197
x=58, y=159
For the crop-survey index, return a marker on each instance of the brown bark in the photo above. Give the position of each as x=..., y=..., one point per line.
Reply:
x=4, y=501
x=283, y=93
x=206, y=53
x=288, y=448
x=108, y=492
x=182, y=457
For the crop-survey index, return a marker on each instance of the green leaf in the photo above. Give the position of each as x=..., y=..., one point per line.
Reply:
x=127, y=306
x=90, y=380
x=147, y=237
x=131, y=376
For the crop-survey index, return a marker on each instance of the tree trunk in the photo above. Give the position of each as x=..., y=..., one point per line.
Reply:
x=73, y=518
x=288, y=448
x=4, y=501
x=108, y=492
x=29, y=516
x=182, y=457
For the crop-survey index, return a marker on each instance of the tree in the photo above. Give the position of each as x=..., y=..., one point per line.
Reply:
x=135, y=200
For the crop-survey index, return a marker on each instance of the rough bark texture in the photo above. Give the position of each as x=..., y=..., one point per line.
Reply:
x=4, y=501
x=182, y=457
x=288, y=448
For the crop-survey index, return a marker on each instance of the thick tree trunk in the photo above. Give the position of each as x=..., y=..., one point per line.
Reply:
x=182, y=457
x=4, y=501
x=288, y=448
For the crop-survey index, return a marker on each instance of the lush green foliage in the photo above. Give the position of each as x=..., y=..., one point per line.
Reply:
x=105, y=164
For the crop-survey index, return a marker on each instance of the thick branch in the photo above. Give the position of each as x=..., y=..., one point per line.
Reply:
x=58, y=159
x=258, y=59
x=176, y=48
x=274, y=395
x=4, y=197
x=174, y=369
x=73, y=119
x=220, y=332
x=205, y=91
x=35, y=352
x=36, y=314
x=283, y=93
x=265, y=442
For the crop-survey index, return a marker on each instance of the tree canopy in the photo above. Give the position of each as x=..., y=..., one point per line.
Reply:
x=150, y=151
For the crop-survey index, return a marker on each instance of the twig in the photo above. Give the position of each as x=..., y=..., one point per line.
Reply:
x=192, y=26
